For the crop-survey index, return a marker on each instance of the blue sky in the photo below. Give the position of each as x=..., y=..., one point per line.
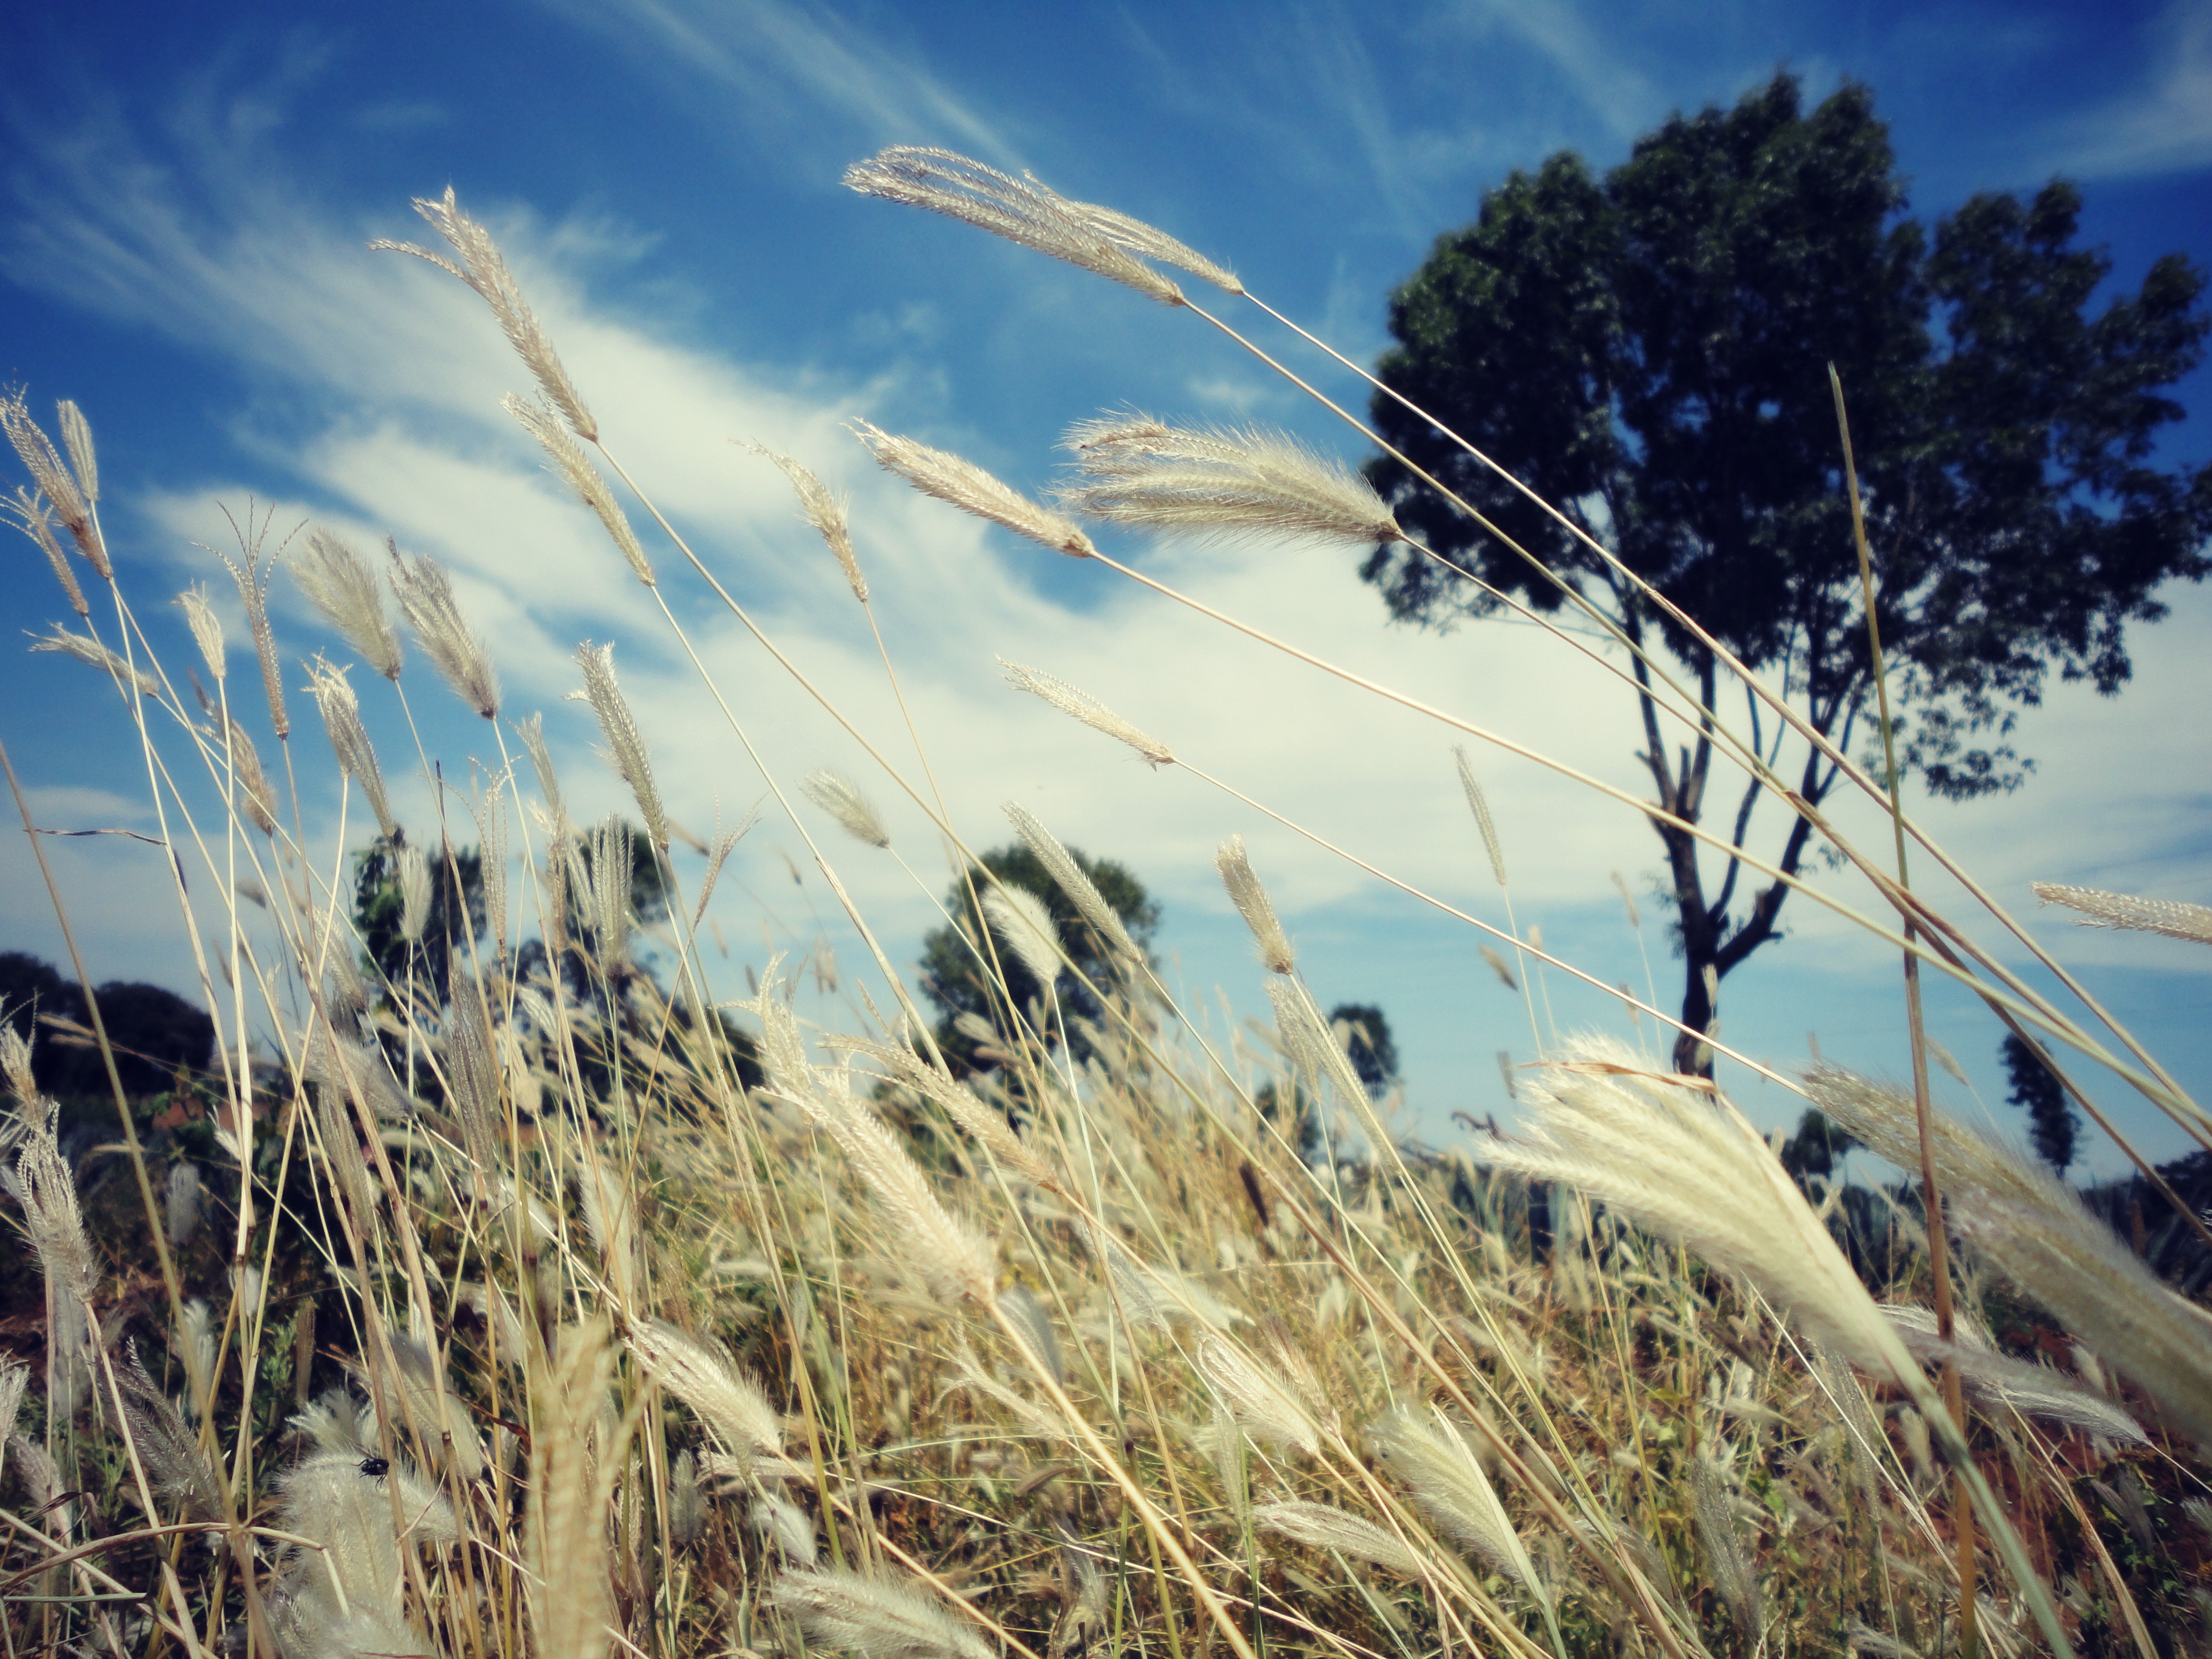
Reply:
x=184, y=204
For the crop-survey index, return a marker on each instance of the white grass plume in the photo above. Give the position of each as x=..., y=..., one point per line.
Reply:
x=170, y=1452
x=483, y=268
x=338, y=582
x=625, y=744
x=790, y=1527
x=825, y=513
x=841, y=798
x=1478, y=803
x=954, y=1259
x=574, y=468
x=1500, y=966
x=1264, y=1405
x=341, y=712
x=1997, y=1383
x=46, y=1187
x=1081, y=890
x=876, y=1616
x=700, y=1374
x=51, y=476
x=414, y=892
x=180, y=1202
x=206, y=627
x=455, y=649
x=93, y=654
x=532, y=733
x=1021, y=211
x=448, y=1431
x=574, y=1458
x=984, y=1123
x=1024, y=925
x=1087, y=709
x=31, y=515
x=254, y=799
x=1149, y=242
x=1252, y=902
x=1607, y=1121
x=2035, y=1230
x=1218, y=482
x=1324, y=1526
x=1428, y=1453
x=2171, y=917
x=964, y=484
x=1725, y=1554
x=1312, y=1044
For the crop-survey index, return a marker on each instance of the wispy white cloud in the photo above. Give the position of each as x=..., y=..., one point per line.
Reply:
x=790, y=64
x=1590, y=59
x=2161, y=124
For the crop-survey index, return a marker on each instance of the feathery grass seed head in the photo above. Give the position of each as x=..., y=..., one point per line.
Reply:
x=1081, y=890
x=1430, y=1455
x=825, y=513
x=1264, y=1405
x=1324, y=1526
x=340, y=583
x=1223, y=483
x=1020, y=210
x=1087, y=709
x=625, y=746
x=1478, y=803
x=1252, y=902
x=93, y=654
x=968, y=486
x=574, y=468
x=483, y=268
x=341, y=712
x=455, y=650
x=2172, y=917
x=877, y=1617
x=51, y=477
x=1024, y=925
x=29, y=512
x=700, y=1374
x=841, y=798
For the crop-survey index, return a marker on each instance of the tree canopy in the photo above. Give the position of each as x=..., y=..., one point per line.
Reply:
x=1649, y=352
x=956, y=981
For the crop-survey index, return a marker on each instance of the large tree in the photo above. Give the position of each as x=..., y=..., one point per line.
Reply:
x=1649, y=351
x=955, y=978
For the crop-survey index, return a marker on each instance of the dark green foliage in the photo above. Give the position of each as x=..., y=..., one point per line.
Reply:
x=1374, y=1055
x=953, y=980
x=2052, y=1121
x=1816, y=1146
x=1649, y=351
x=153, y=1032
x=456, y=920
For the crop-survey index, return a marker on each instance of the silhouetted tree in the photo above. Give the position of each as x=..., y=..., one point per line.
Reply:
x=1367, y=1039
x=154, y=1031
x=1649, y=351
x=2052, y=1122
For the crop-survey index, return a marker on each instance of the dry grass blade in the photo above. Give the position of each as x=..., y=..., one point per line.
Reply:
x=2172, y=917
x=339, y=583
x=1218, y=481
x=877, y=1617
x=1020, y=211
x=968, y=486
x=483, y=269
x=1087, y=709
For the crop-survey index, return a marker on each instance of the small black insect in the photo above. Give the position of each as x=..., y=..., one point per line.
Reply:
x=373, y=1467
